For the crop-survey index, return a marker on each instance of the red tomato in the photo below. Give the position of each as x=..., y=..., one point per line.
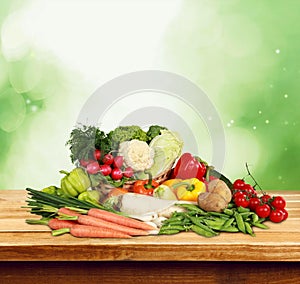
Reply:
x=276, y=216
x=285, y=214
x=241, y=201
x=253, y=203
x=263, y=210
x=105, y=170
x=116, y=174
x=93, y=168
x=239, y=193
x=97, y=155
x=239, y=184
x=128, y=172
x=265, y=198
x=108, y=159
x=278, y=202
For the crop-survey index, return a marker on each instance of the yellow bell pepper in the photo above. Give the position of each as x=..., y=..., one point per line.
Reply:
x=171, y=182
x=189, y=189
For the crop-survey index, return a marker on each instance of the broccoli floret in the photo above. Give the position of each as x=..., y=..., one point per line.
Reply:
x=154, y=130
x=126, y=133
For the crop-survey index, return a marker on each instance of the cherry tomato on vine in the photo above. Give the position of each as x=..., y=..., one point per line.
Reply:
x=263, y=210
x=239, y=194
x=285, y=214
x=276, y=216
x=239, y=184
x=249, y=189
x=241, y=201
x=265, y=198
x=278, y=202
x=253, y=203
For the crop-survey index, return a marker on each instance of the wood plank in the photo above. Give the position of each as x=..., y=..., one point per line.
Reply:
x=19, y=240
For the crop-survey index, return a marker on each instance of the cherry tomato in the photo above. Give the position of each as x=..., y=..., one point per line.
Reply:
x=239, y=184
x=239, y=194
x=108, y=159
x=93, y=168
x=105, y=170
x=253, y=203
x=285, y=214
x=118, y=162
x=116, y=174
x=241, y=201
x=265, y=198
x=249, y=189
x=263, y=210
x=278, y=202
x=276, y=216
x=128, y=172
x=97, y=155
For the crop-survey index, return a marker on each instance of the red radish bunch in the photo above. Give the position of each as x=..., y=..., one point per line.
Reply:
x=264, y=205
x=107, y=165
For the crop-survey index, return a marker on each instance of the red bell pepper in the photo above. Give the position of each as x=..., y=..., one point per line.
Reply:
x=189, y=166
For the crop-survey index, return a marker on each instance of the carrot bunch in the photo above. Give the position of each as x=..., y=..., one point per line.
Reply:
x=94, y=223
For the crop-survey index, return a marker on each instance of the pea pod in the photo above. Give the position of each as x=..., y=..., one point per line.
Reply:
x=249, y=229
x=200, y=231
x=168, y=232
x=240, y=222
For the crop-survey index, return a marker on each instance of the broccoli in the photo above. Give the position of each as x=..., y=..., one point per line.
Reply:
x=154, y=130
x=126, y=133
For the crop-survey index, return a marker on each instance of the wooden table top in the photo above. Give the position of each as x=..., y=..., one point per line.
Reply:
x=23, y=242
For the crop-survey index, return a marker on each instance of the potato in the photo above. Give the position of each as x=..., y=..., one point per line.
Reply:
x=220, y=187
x=211, y=201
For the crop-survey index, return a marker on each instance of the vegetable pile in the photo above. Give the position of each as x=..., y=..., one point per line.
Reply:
x=129, y=161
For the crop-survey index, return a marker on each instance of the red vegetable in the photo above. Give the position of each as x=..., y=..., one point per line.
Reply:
x=189, y=166
x=97, y=154
x=118, y=161
x=93, y=168
x=278, y=202
x=108, y=159
x=105, y=169
x=128, y=172
x=116, y=174
x=276, y=216
x=263, y=210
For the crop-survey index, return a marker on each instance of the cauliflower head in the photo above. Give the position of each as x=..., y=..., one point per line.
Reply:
x=137, y=154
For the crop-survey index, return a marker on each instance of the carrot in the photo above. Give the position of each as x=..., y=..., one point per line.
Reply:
x=96, y=222
x=83, y=231
x=67, y=211
x=119, y=219
x=53, y=223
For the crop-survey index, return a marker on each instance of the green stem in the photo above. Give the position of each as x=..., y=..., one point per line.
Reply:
x=149, y=184
x=37, y=222
x=60, y=231
x=64, y=172
x=67, y=217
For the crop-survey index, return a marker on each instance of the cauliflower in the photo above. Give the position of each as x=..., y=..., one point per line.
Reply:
x=137, y=154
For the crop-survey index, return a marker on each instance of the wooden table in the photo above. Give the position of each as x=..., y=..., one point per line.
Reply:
x=29, y=254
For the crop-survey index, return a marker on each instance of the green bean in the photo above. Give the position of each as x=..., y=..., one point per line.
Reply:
x=243, y=209
x=168, y=232
x=198, y=230
x=249, y=229
x=198, y=223
x=228, y=222
x=173, y=227
x=215, y=224
x=229, y=212
x=260, y=225
x=245, y=215
x=240, y=222
x=230, y=229
x=191, y=207
x=255, y=218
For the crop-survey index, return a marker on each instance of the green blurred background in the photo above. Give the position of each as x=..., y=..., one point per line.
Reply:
x=243, y=54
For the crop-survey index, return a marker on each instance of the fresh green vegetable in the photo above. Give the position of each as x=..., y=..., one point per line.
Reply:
x=92, y=196
x=164, y=192
x=75, y=182
x=126, y=133
x=154, y=130
x=84, y=140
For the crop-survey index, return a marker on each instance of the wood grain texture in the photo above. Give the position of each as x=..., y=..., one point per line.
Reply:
x=22, y=242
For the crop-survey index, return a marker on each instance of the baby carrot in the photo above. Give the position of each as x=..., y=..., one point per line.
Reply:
x=97, y=222
x=83, y=231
